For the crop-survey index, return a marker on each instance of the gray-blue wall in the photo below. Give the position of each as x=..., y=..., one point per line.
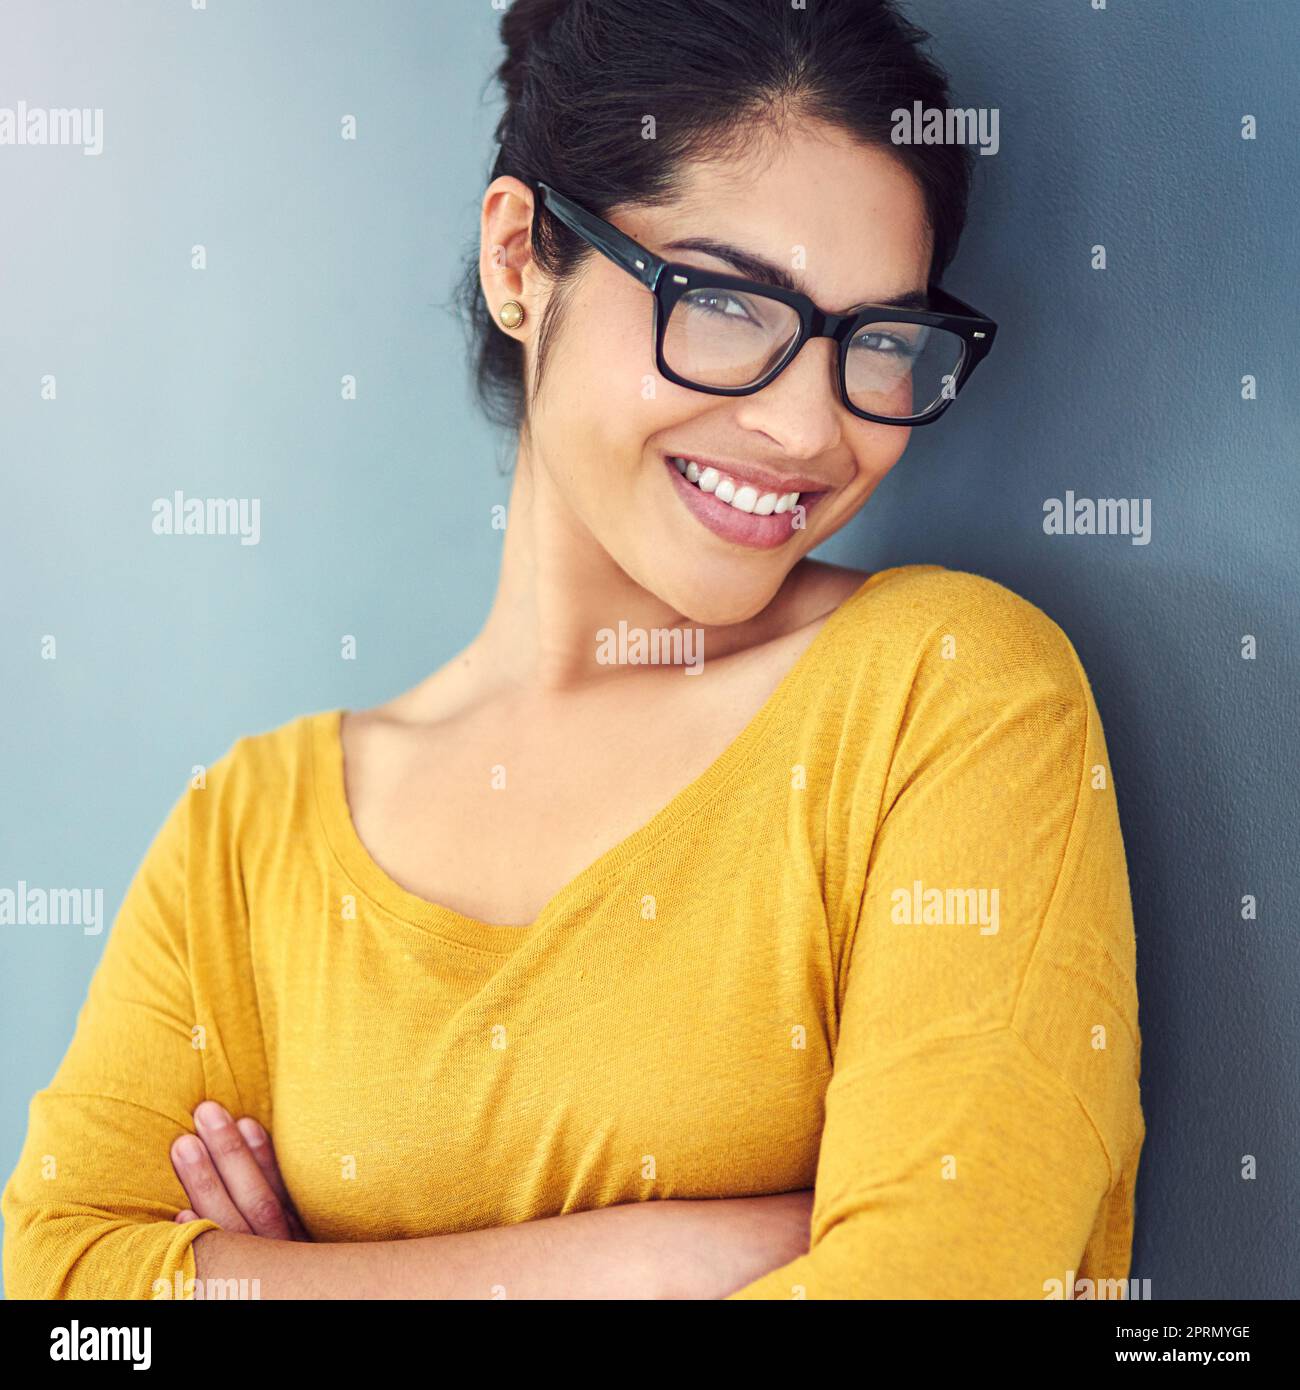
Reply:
x=1120, y=128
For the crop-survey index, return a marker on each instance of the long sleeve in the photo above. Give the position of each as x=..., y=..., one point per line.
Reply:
x=89, y=1209
x=983, y=1124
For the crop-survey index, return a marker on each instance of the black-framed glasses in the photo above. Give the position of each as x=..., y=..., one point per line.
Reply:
x=731, y=337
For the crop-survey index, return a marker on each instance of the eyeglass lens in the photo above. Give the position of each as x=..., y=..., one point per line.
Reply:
x=730, y=338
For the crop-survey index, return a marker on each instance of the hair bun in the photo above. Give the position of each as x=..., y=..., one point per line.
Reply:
x=523, y=26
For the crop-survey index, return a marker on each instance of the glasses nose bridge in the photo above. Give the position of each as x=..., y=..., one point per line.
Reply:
x=832, y=326
x=819, y=325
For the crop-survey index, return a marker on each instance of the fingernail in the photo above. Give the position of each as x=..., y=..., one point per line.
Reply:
x=189, y=1149
x=251, y=1131
x=211, y=1116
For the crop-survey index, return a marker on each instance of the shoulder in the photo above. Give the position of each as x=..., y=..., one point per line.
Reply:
x=961, y=631
x=260, y=775
x=231, y=809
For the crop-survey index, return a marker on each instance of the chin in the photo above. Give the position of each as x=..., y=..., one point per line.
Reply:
x=720, y=599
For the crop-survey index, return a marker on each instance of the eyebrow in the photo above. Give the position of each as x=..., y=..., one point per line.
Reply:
x=752, y=267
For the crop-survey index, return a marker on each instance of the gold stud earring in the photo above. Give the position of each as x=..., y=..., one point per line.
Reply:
x=512, y=313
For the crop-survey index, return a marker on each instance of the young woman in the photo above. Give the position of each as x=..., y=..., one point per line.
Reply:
x=798, y=962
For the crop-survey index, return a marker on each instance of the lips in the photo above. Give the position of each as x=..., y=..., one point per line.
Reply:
x=744, y=497
x=767, y=515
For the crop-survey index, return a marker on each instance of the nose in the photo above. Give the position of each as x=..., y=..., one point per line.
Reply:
x=801, y=409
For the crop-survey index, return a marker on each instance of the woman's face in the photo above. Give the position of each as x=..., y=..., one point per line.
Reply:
x=848, y=222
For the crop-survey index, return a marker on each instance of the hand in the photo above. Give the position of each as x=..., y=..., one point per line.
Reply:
x=230, y=1176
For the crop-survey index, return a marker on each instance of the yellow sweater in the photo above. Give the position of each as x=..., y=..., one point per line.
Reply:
x=884, y=944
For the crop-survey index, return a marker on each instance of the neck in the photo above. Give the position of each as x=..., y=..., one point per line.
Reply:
x=558, y=587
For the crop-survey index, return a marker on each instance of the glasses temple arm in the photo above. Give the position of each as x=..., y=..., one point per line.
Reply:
x=944, y=302
x=629, y=255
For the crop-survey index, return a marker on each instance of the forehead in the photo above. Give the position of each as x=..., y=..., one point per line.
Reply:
x=848, y=218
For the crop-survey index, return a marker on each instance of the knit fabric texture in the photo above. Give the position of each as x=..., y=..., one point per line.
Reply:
x=883, y=947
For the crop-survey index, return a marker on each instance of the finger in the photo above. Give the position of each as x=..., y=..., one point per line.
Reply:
x=243, y=1179
x=263, y=1151
x=183, y=1216
x=203, y=1186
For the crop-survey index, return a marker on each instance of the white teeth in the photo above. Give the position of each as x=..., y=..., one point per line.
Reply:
x=744, y=498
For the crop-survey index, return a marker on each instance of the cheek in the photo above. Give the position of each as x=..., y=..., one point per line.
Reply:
x=604, y=351
x=597, y=410
x=604, y=399
x=880, y=447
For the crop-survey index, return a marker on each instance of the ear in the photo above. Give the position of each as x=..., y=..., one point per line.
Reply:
x=507, y=269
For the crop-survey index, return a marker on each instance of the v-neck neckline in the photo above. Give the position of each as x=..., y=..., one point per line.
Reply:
x=325, y=751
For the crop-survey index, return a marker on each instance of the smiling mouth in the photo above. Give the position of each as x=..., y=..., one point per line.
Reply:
x=740, y=496
x=739, y=512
